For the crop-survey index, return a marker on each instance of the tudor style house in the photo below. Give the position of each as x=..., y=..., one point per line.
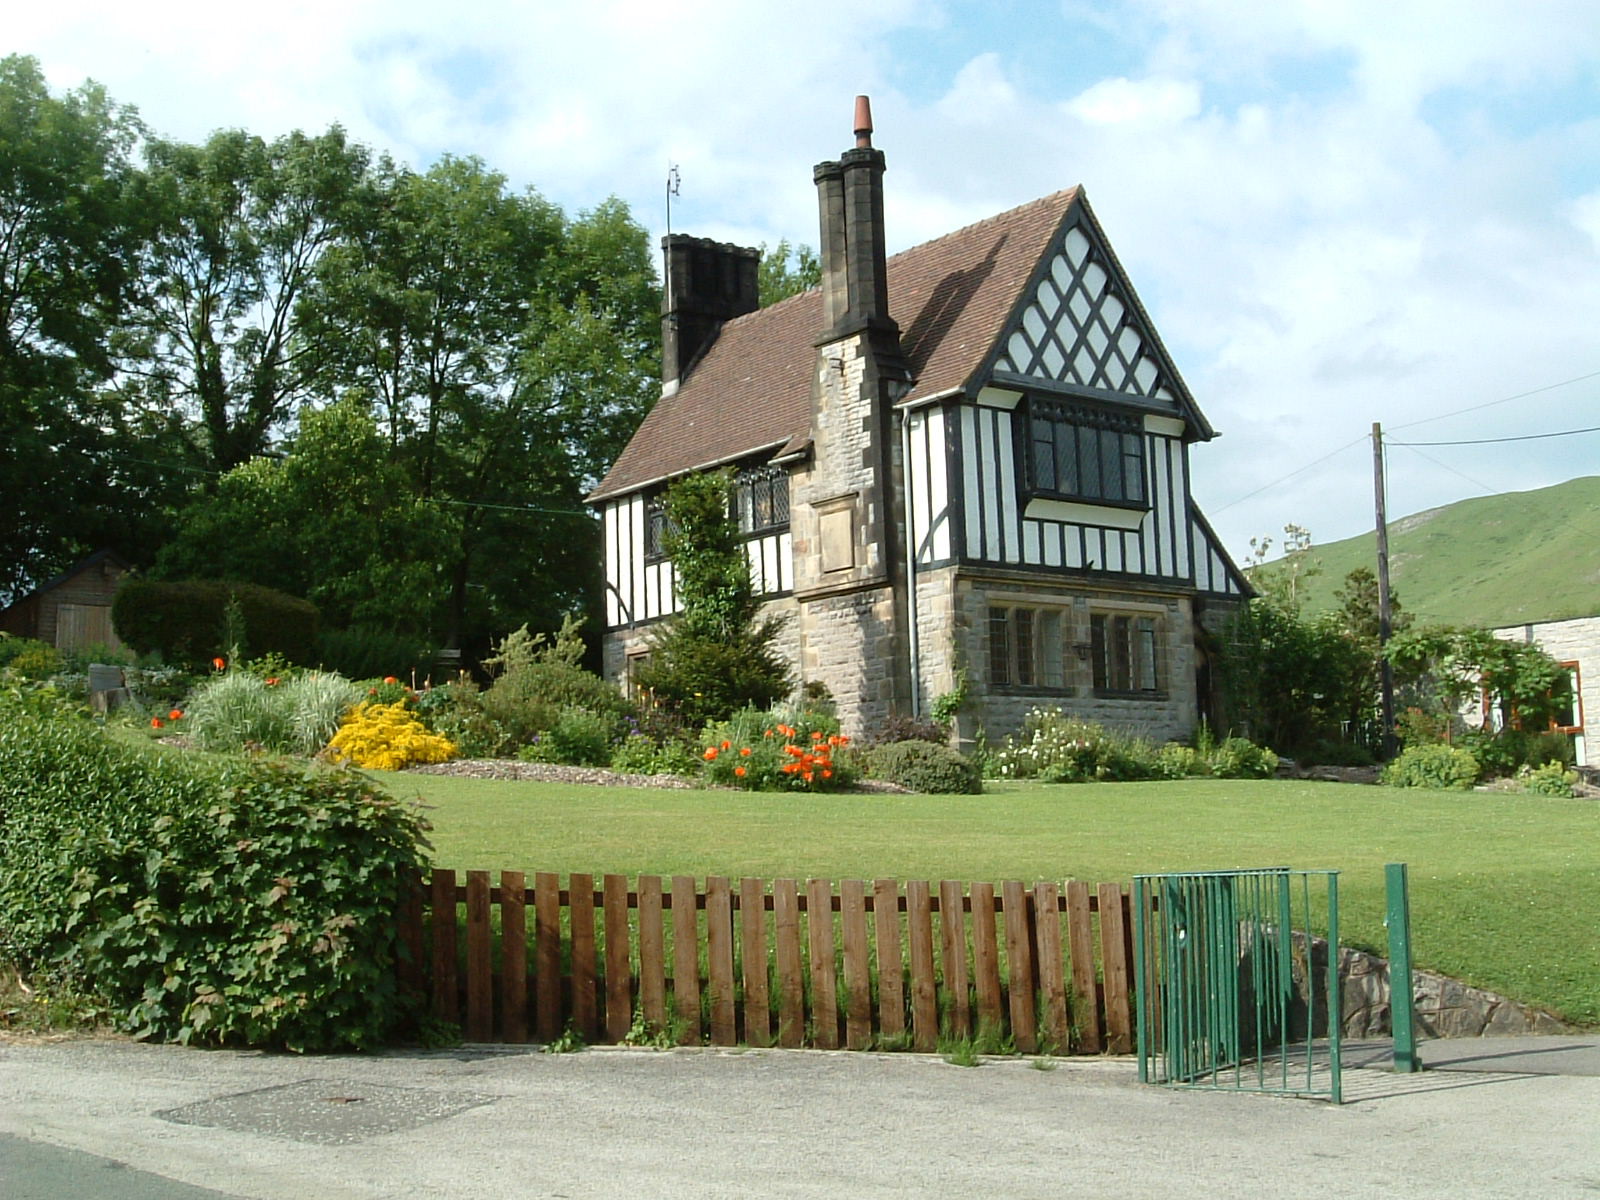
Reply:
x=968, y=463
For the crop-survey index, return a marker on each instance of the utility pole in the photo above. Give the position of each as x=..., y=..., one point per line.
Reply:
x=1385, y=628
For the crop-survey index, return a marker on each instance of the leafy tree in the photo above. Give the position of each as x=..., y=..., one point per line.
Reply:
x=334, y=521
x=210, y=351
x=67, y=232
x=716, y=655
x=777, y=279
x=1518, y=680
x=509, y=353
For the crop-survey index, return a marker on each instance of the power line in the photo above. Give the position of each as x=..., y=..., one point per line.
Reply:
x=1527, y=437
x=1298, y=471
x=1477, y=483
x=1549, y=387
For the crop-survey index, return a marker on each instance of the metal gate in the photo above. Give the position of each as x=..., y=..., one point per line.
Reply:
x=1229, y=994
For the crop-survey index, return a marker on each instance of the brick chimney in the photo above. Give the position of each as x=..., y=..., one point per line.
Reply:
x=707, y=283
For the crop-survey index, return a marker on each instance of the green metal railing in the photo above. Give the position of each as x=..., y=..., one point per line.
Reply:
x=1229, y=995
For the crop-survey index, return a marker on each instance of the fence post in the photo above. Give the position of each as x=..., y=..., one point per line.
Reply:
x=1401, y=1018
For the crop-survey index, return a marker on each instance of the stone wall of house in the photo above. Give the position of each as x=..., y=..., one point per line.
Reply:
x=1170, y=715
x=1576, y=641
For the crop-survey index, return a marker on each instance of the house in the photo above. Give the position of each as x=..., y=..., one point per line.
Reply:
x=73, y=610
x=968, y=463
x=1575, y=644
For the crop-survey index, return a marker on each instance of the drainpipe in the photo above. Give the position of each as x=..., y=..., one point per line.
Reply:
x=911, y=564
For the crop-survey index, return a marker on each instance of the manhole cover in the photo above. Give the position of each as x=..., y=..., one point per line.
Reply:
x=327, y=1111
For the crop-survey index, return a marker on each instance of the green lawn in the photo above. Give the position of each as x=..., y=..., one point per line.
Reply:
x=1505, y=889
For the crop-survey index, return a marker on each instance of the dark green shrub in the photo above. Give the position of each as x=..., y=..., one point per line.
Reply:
x=1337, y=754
x=923, y=766
x=241, y=902
x=898, y=728
x=528, y=700
x=578, y=738
x=187, y=622
x=456, y=711
x=1240, y=758
x=362, y=652
x=1434, y=766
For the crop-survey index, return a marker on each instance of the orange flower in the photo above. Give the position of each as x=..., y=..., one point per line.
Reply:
x=711, y=753
x=372, y=691
x=220, y=663
x=273, y=682
x=816, y=735
x=826, y=774
x=726, y=745
x=744, y=752
x=806, y=776
x=155, y=722
x=739, y=771
x=390, y=679
x=175, y=715
x=794, y=750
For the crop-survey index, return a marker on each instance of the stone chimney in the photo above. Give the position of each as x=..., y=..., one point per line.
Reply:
x=855, y=285
x=707, y=283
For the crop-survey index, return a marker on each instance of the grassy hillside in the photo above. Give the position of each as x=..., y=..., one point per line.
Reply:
x=1495, y=560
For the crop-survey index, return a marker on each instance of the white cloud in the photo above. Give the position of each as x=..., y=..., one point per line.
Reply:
x=1144, y=102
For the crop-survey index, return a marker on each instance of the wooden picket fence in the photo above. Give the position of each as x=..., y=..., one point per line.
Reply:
x=728, y=964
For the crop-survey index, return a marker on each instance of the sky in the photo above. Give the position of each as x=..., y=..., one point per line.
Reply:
x=1336, y=211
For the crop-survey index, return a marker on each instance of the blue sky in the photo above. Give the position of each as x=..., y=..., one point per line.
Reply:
x=1336, y=212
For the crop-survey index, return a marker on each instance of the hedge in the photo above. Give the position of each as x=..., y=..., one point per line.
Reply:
x=184, y=621
x=227, y=902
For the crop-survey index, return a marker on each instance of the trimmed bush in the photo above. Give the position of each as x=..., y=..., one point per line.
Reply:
x=1057, y=748
x=186, y=622
x=923, y=766
x=528, y=700
x=29, y=658
x=361, y=652
x=1435, y=766
x=242, y=902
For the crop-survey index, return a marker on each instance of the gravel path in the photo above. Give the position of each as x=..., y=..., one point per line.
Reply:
x=503, y=768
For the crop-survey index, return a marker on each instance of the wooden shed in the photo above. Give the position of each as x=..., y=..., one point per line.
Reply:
x=73, y=610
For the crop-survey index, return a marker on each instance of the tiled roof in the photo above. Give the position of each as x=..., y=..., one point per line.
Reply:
x=751, y=389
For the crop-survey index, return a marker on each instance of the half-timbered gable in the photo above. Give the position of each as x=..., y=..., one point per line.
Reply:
x=962, y=467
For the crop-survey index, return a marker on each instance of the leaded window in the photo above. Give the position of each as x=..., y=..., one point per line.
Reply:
x=1081, y=452
x=1123, y=649
x=761, y=498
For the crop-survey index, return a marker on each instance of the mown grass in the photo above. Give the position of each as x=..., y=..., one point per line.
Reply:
x=1505, y=889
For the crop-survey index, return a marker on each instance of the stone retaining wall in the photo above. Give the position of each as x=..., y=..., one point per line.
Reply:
x=1444, y=1007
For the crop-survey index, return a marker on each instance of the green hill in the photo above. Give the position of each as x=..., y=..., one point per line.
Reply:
x=1494, y=560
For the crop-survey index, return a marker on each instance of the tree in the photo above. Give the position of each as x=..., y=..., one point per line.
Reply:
x=67, y=234
x=334, y=521
x=510, y=353
x=777, y=280
x=1518, y=681
x=716, y=655
x=210, y=351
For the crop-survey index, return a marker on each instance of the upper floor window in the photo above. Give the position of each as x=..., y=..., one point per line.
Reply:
x=655, y=528
x=1079, y=452
x=761, y=498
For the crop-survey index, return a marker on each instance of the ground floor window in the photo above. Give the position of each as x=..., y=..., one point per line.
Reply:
x=1028, y=647
x=1125, y=653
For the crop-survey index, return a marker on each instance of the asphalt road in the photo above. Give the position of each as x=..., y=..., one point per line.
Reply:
x=133, y=1122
